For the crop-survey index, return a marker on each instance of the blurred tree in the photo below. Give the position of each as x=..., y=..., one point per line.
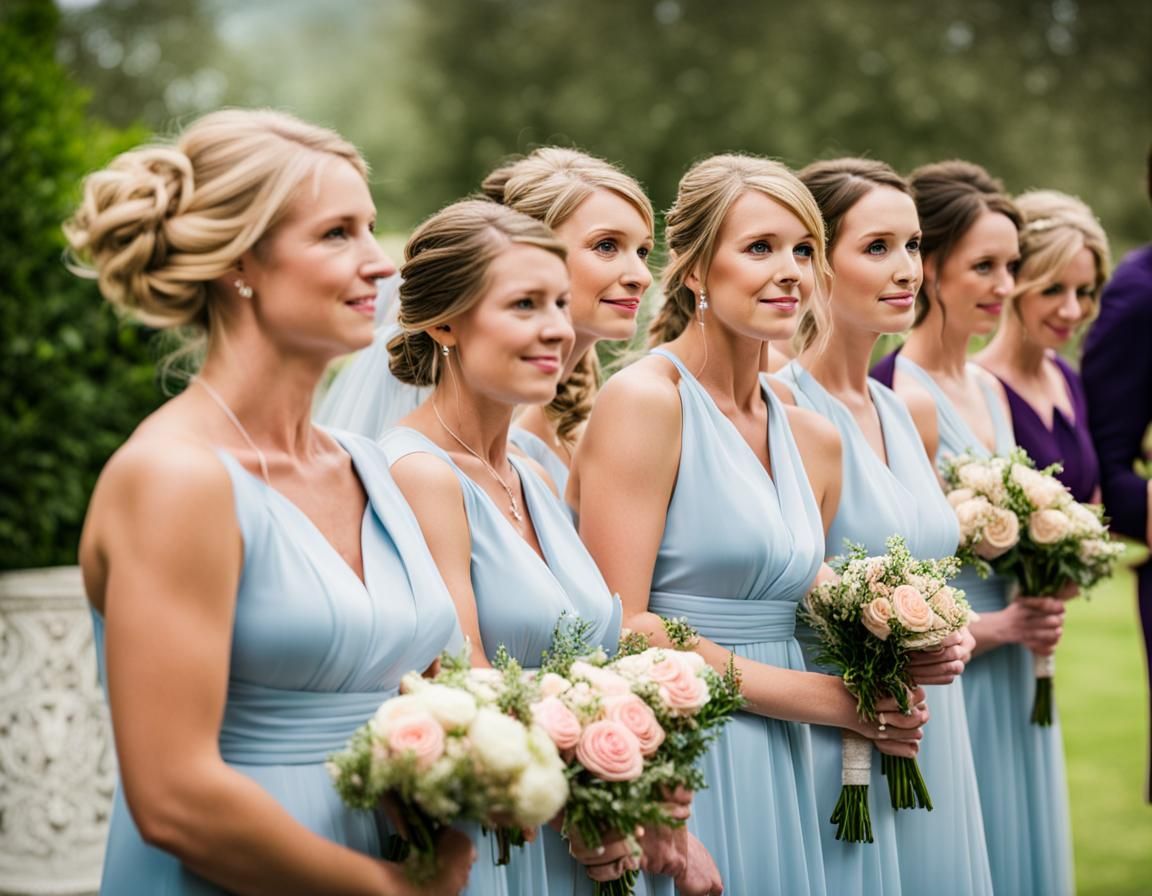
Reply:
x=73, y=383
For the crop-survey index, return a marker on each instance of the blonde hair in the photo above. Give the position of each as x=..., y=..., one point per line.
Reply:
x=837, y=185
x=706, y=193
x=445, y=272
x=549, y=184
x=1056, y=227
x=161, y=222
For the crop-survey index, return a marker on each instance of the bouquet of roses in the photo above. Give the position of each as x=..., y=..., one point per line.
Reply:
x=1056, y=540
x=630, y=729
x=867, y=622
x=447, y=751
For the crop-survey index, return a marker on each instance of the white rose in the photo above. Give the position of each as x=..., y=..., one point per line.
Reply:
x=1041, y=491
x=634, y=667
x=553, y=685
x=540, y=793
x=499, y=741
x=1084, y=520
x=413, y=682
x=980, y=478
x=971, y=515
x=451, y=707
x=1001, y=532
x=1048, y=526
x=388, y=713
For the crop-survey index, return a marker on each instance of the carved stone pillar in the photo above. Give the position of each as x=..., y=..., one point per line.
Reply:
x=57, y=763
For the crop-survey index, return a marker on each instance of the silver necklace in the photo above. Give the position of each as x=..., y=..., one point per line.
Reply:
x=513, y=507
x=215, y=396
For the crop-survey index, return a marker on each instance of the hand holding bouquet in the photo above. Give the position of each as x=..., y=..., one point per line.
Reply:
x=449, y=751
x=1059, y=541
x=867, y=622
x=630, y=729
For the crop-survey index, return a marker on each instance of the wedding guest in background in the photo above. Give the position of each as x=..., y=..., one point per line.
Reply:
x=258, y=585
x=1117, y=371
x=1064, y=263
x=970, y=249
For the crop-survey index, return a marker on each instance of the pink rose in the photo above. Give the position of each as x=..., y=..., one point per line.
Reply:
x=606, y=683
x=911, y=610
x=418, y=734
x=610, y=752
x=875, y=615
x=558, y=720
x=637, y=716
x=682, y=691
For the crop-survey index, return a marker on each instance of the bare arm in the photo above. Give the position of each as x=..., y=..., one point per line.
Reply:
x=168, y=584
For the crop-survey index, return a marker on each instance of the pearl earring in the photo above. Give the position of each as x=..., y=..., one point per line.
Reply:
x=703, y=301
x=243, y=288
x=444, y=350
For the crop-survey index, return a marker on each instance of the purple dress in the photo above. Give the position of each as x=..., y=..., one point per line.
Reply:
x=1117, y=371
x=1068, y=442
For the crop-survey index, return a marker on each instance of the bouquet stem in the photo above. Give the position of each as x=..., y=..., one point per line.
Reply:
x=1044, y=667
x=906, y=786
x=851, y=816
x=625, y=885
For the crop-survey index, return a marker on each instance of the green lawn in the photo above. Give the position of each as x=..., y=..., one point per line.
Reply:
x=1100, y=686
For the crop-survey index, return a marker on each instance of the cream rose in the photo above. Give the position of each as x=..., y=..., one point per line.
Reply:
x=971, y=515
x=553, y=685
x=635, y=666
x=944, y=604
x=558, y=720
x=875, y=616
x=637, y=716
x=1084, y=520
x=1001, y=532
x=540, y=793
x=453, y=708
x=419, y=735
x=604, y=681
x=958, y=496
x=1048, y=526
x=610, y=752
x=500, y=742
x=980, y=478
x=911, y=610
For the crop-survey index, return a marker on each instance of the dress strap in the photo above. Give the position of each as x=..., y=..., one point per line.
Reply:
x=1000, y=423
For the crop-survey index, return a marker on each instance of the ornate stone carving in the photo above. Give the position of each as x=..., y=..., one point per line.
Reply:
x=57, y=763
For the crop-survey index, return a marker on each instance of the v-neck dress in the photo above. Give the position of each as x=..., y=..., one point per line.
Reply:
x=536, y=448
x=1019, y=766
x=740, y=549
x=314, y=652
x=878, y=499
x=519, y=599
x=1067, y=442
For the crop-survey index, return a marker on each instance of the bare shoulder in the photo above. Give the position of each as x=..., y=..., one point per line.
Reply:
x=648, y=390
x=812, y=431
x=424, y=475
x=988, y=379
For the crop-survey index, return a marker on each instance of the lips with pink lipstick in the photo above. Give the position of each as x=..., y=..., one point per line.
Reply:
x=543, y=363
x=1061, y=333
x=363, y=304
x=787, y=304
x=899, y=299
x=627, y=304
x=993, y=308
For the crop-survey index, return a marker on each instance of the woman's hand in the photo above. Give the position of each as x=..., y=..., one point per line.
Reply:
x=701, y=877
x=893, y=732
x=454, y=857
x=608, y=861
x=1042, y=623
x=944, y=664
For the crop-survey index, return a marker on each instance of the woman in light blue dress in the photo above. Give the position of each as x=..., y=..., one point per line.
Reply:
x=889, y=488
x=971, y=247
x=484, y=319
x=258, y=586
x=702, y=496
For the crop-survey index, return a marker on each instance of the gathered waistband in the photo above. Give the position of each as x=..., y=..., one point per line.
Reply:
x=728, y=621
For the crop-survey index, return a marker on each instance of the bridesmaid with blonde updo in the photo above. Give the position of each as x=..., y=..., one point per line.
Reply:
x=258, y=585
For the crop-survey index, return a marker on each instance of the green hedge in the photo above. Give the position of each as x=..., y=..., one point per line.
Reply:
x=73, y=381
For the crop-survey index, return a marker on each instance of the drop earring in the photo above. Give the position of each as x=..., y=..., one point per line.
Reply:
x=444, y=350
x=701, y=307
x=244, y=289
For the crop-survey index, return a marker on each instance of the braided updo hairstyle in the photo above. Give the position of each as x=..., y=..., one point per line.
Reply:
x=445, y=273
x=706, y=193
x=1056, y=227
x=550, y=184
x=950, y=196
x=837, y=185
x=162, y=222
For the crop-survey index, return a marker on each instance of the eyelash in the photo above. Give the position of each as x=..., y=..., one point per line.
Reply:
x=342, y=231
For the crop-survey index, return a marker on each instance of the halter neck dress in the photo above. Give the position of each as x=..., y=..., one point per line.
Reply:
x=314, y=652
x=878, y=499
x=740, y=549
x=1019, y=766
x=519, y=600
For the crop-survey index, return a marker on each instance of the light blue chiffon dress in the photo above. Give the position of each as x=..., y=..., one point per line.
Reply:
x=1019, y=766
x=314, y=652
x=878, y=499
x=739, y=551
x=520, y=598
x=536, y=448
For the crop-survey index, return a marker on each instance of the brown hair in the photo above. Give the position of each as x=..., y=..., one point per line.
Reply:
x=549, y=184
x=950, y=196
x=837, y=185
x=1056, y=227
x=445, y=273
x=706, y=193
x=160, y=223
